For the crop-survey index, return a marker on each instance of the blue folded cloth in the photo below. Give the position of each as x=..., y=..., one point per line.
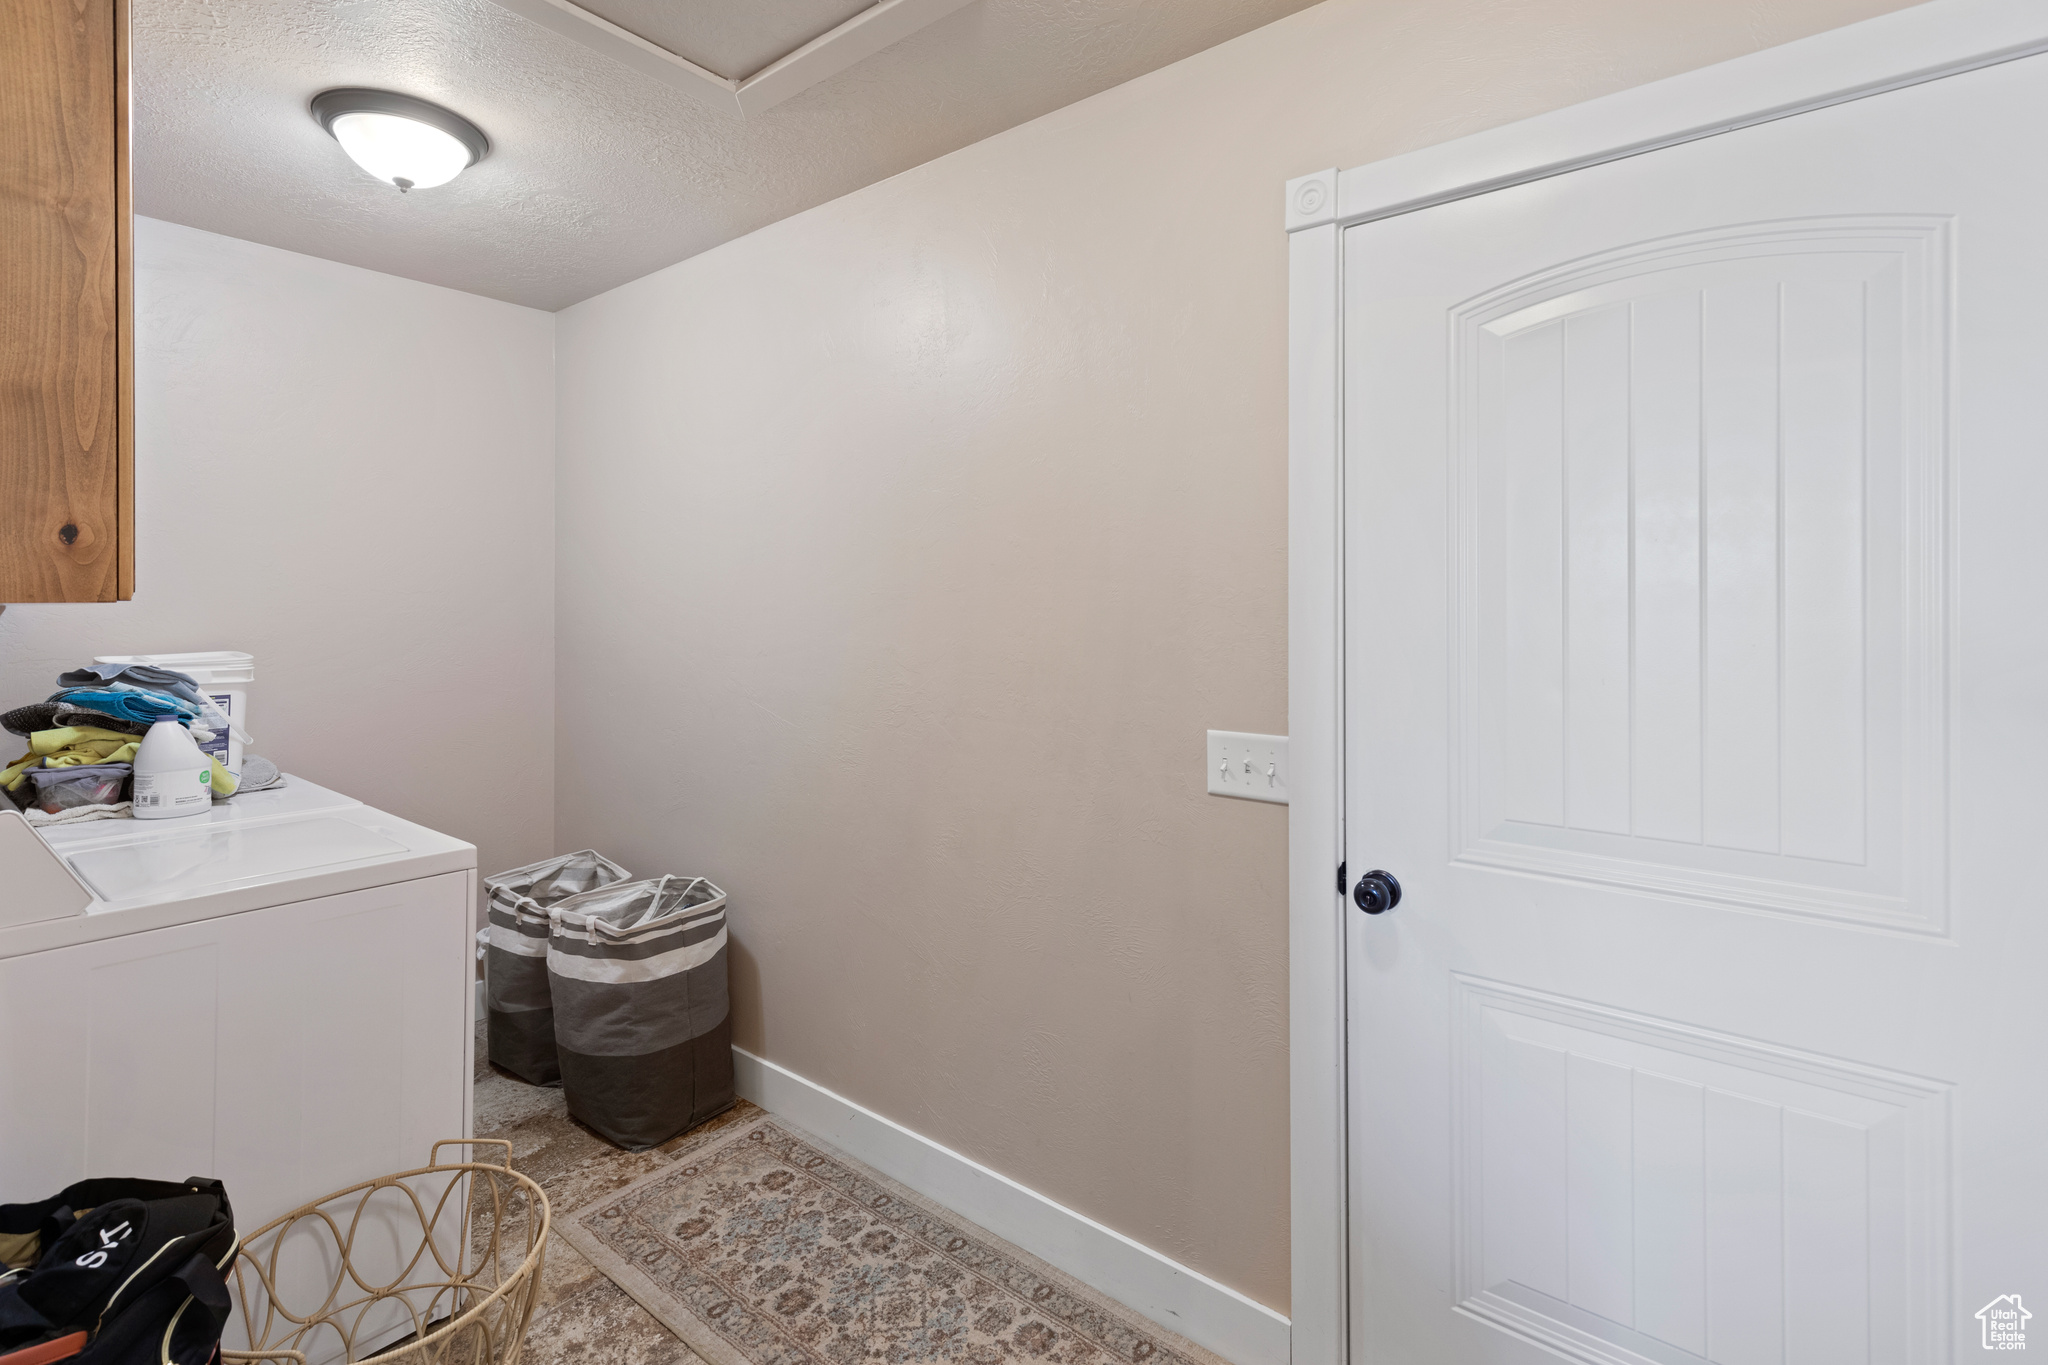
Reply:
x=145, y=676
x=146, y=707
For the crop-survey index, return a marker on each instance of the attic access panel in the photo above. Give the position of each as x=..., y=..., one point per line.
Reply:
x=733, y=41
x=740, y=58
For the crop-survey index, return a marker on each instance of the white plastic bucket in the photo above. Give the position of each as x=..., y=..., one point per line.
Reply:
x=225, y=676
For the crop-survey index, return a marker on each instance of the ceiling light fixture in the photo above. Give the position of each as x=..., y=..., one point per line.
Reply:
x=402, y=141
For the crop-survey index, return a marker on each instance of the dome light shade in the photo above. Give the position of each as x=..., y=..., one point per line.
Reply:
x=401, y=140
x=412, y=156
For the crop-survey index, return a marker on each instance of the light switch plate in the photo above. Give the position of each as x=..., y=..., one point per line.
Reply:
x=1250, y=767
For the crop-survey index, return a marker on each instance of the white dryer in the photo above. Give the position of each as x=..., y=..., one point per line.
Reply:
x=276, y=993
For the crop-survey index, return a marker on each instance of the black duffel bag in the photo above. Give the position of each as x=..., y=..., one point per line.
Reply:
x=117, y=1272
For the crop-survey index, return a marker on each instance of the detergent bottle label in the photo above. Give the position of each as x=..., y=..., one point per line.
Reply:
x=182, y=792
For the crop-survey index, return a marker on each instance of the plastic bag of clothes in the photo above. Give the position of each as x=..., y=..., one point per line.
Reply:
x=520, y=1032
x=88, y=784
x=642, y=1026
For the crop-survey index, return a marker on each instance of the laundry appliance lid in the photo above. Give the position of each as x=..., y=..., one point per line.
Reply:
x=187, y=861
x=258, y=850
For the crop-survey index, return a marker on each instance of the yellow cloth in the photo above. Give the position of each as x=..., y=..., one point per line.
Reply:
x=17, y=772
x=80, y=755
x=69, y=736
x=74, y=746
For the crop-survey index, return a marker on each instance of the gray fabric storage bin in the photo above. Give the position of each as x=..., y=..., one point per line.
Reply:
x=520, y=1027
x=637, y=972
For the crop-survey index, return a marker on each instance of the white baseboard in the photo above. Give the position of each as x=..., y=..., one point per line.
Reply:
x=1192, y=1304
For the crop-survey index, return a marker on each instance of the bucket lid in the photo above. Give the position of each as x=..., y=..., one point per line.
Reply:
x=212, y=668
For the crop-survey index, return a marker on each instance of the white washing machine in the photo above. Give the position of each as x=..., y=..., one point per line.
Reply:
x=276, y=993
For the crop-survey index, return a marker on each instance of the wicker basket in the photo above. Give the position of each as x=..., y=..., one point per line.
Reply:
x=411, y=1268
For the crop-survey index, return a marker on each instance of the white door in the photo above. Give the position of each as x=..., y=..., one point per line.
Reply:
x=1697, y=670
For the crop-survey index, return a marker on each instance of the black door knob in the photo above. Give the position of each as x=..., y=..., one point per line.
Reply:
x=1377, y=892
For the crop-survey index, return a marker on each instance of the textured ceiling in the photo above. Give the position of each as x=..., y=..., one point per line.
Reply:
x=598, y=174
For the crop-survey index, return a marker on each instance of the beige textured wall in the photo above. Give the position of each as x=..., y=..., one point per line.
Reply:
x=330, y=467
x=907, y=547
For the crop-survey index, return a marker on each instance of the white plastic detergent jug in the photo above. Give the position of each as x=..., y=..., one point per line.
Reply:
x=172, y=776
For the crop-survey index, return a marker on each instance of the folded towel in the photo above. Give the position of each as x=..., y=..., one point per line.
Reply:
x=89, y=742
x=148, y=707
x=180, y=685
x=258, y=774
x=52, y=715
x=120, y=810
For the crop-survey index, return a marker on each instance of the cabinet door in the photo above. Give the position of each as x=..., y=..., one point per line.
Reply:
x=288, y=1052
x=66, y=417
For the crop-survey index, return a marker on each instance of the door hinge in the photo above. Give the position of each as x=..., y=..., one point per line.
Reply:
x=1340, y=879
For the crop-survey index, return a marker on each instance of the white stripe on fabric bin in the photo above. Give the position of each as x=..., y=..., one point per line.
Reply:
x=612, y=970
x=512, y=941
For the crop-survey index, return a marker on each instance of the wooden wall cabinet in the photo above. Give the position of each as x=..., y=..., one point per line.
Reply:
x=67, y=472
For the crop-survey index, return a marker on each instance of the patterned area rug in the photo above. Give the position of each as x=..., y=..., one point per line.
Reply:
x=766, y=1247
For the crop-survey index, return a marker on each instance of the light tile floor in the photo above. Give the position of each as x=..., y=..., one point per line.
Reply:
x=582, y=1316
